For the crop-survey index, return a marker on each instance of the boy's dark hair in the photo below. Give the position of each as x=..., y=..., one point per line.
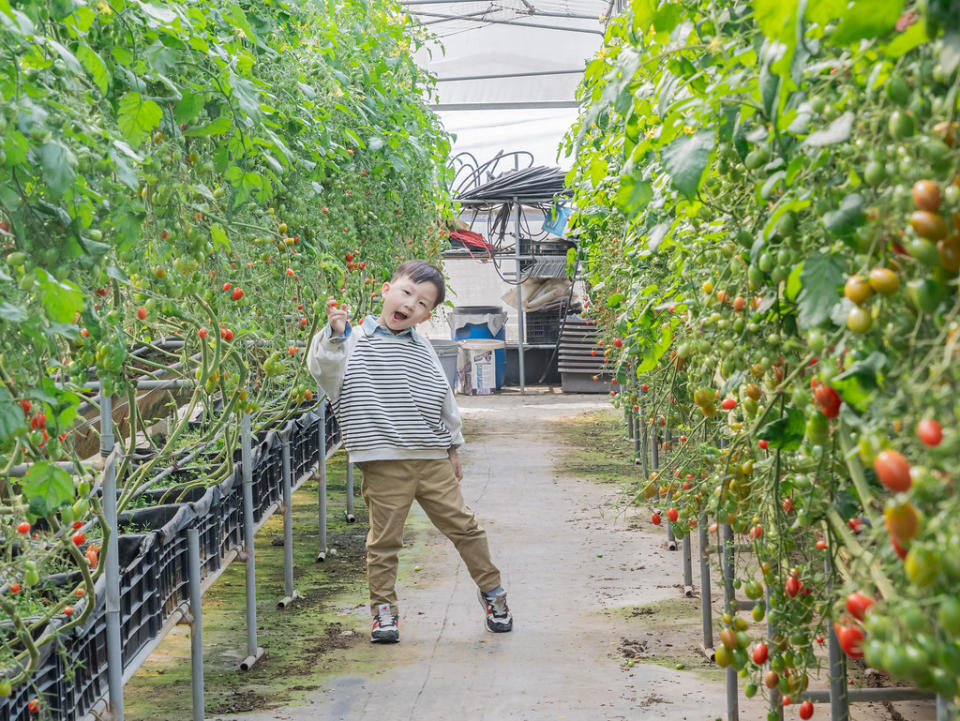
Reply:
x=422, y=272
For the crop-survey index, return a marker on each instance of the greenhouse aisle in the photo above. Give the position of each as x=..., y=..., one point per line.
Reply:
x=574, y=571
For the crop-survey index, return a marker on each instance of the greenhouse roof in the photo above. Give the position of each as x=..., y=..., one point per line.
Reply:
x=508, y=70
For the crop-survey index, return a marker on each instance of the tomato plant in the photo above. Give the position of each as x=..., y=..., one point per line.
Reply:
x=769, y=217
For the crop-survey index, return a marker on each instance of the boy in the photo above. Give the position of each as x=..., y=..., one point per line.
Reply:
x=400, y=424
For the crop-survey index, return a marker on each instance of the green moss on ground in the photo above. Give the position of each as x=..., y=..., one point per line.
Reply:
x=665, y=633
x=298, y=641
x=597, y=448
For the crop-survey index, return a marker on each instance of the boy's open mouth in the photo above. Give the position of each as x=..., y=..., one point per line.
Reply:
x=399, y=317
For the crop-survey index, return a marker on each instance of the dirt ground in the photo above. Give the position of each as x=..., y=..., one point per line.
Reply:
x=602, y=629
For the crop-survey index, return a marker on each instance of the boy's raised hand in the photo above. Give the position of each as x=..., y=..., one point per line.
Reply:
x=337, y=317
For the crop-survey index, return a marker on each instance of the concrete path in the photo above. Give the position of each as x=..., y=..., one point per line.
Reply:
x=568, y=564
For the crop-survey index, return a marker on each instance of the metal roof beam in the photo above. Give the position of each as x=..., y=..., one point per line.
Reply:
x=500, y=76
x=510, y=22
x=508, y=105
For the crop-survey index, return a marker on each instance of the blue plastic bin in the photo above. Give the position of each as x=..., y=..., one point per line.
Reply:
x=462, y=330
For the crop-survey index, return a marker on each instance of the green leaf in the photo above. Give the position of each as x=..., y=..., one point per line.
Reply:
x=633, y=195
x=856, y=383
x=95, y=66
x=906, y=41
x=12, y=313
x=614, y=300
x=58, y=162
x=61, y=300
x=847, y=218
x=217, y=127
x=219, y=237
x=15, y=146
x=785, y=433
x=950, y=57
x=188, y=106
x=137, y=117
x=685, y=159
x=47, y=488
x=793, y=282
x=11, y=415
x=774, y=17
x=837, y=132
x=820, y=278
x=866, y=19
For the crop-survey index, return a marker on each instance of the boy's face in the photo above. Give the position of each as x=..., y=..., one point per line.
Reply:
x=406, y=303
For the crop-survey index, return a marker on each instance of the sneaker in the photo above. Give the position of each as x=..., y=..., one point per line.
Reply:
x=386, y=626
x=498, y=618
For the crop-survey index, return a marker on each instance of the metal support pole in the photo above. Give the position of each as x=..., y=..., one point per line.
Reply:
x=196, y=623
x=655, y=448
x=671, y=538
x=254, y=652
x=289, y=593
x=112, y=562
x=629, y=420
x=706, y=600
x=839, y=703
x=946, y=711
x=687, y=567
x=516, y=249
x=351, y=518
x=643, y=452
x=635, y=426
x=730, y=602
x=322, y=491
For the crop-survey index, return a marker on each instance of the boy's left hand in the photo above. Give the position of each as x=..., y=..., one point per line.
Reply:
x=455, y=462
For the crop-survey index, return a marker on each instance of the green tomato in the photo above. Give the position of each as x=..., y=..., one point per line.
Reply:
x=874, y=173
x=925, y=294
x=900, y=124
x=31, y=577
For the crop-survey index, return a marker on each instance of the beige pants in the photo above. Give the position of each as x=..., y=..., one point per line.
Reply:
x=389, y=488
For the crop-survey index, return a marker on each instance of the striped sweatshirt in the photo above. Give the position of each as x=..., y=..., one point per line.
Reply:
x=389, y=393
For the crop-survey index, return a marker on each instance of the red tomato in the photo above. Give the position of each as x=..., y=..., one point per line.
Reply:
x=805, y=710
x=760, y=654
x=25, y=404
x=226, y=287
x=930, y=432
x=673, y=515
x=289, y=271
x=142, y=313
x=655, y=519
x=728, y=404
x=292, y=350
x=787, y=504
x=763, y=444
x=227, y=334
x=237, y=294
x=23, y=527
x=202, y=333
x=14, y=587
x=68, y=610
x=618, y=343
x=644, y=387
x=683, y=439
x=792, y=586
x=857, y=605
x=850, y=638
x=893, y=470
x=78, y=538
x=34, y=705
x=828, y=400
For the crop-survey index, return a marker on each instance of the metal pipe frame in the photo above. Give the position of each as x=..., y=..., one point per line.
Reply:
x=671, y=538
x=839, y=694
x=687, y=567
x=350, y=515
x=520, y=339
x=112, y=563
x=290, y=594
x=254, y=652
x=644, y=466
x=196, y=623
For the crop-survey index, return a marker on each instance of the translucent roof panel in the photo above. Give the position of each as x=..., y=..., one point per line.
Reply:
x=508, y=70
x=521, y=53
